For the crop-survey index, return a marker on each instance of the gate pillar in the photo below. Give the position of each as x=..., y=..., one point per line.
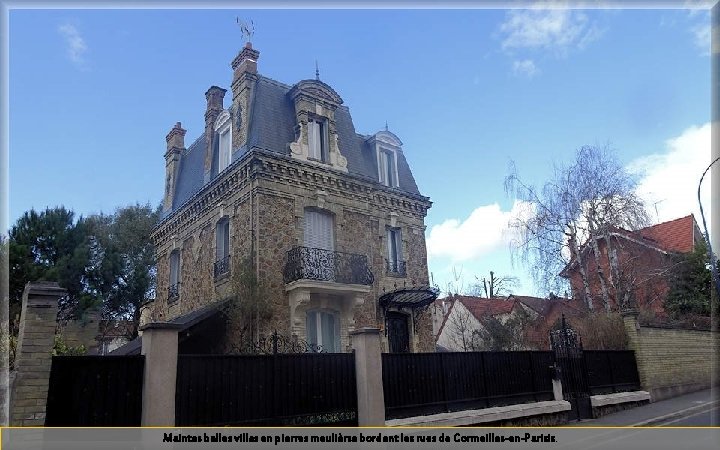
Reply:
x=368, y=376
x=34, y=353
x=160, y=347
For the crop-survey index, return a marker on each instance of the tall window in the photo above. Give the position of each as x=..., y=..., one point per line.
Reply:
x=223, y=126
x=319, y=229
x=222, y=245
x=174, y=285
x=396, y=265
x=387, y=168
x=317, y=139
x=323, y=328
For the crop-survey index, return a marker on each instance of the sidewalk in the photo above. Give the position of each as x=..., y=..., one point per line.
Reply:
x=653, y=413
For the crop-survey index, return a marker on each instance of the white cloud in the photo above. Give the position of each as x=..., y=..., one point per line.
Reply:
x=701, y=36
x=526, y=67
x=669, y=180
x=75, y=44
x=556, y=30
x=485, y=230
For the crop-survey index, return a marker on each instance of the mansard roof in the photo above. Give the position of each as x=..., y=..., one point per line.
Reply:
x=272, y=125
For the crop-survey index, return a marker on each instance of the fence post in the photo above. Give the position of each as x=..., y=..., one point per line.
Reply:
x=368, y=376
x=160, y=347
x=557, y=383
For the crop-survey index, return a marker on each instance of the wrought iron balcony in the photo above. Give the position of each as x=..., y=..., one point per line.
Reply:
x=222, y=267
x=173, y=293
x=395, y=268
x=305, y=263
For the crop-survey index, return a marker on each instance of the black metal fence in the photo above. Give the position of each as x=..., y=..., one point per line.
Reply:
x=305, y=263
x=611, y=371
x=275, y=390
x=431, y=383
x=87, y=391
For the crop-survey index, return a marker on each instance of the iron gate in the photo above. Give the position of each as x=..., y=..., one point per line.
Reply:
x=567, y=345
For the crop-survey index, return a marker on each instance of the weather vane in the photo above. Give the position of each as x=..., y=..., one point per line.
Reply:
x=248, y=30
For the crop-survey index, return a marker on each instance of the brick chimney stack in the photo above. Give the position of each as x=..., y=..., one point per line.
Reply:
x=175, y=145
x=244, y=78
x=214, y=96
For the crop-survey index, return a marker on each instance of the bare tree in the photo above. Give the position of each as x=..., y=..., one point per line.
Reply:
x=494, y=286
x=579, y=207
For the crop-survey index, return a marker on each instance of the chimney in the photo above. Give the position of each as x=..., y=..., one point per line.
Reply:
x=245, y=61
x=244, y=77
x=214, y=97
x=175, y=145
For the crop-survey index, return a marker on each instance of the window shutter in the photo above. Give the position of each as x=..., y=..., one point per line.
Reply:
x=383, y=168
x=319, y=230
x=174, y=268
x=328, y=332
x=314, y=140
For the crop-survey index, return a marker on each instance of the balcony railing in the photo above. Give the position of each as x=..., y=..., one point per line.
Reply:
x=305, y=263
x=395, y=268
x=222, y=267
x=173, y=293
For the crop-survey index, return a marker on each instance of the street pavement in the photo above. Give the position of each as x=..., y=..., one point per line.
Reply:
x=700, y=408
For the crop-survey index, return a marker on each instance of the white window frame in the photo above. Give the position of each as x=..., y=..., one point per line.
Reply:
x=322, y=134
x=223, y=126
x=383, y=169
x=315, y=336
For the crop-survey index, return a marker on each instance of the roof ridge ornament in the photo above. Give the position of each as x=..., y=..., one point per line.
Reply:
x=317, y=71
x=247, y=30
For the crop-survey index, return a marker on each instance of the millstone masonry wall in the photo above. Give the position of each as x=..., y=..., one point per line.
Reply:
x=670, y=361
x=265, y=200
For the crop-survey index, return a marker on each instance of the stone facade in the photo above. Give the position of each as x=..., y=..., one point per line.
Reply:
x=265, y=195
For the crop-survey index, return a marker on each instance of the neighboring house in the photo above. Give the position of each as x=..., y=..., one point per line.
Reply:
x=280, y=185
x=644, y=263
x=464, y=327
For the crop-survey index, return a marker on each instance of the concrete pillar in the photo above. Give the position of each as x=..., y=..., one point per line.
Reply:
x=38, y=319
x=160, y=347
x=368, y=376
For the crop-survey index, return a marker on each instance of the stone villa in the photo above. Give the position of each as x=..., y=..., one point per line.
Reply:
x=282, y=211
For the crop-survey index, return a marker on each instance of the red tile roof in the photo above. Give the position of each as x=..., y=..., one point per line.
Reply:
x=484, y=307
x=677, y=235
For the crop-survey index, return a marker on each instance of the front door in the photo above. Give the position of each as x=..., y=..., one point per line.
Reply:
x=398, y=332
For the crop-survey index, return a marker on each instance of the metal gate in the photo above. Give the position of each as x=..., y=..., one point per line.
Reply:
x=94, y=391
x=567, y=345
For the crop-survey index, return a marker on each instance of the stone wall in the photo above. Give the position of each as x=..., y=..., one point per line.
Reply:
x=670, y=361
x=82, y=332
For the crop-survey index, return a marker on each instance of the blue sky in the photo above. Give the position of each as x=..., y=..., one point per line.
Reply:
x=94, y=92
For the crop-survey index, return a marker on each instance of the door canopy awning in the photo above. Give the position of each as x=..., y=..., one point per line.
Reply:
x=409, y=297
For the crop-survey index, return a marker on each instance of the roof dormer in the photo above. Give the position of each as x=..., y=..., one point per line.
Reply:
x=386, y=146
x=316, y=137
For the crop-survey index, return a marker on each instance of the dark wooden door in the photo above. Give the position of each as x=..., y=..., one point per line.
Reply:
x=398, y=332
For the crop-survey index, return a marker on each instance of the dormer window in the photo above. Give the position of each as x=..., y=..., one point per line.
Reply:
x=223, y=126
x=387, y=167
x=317, y=139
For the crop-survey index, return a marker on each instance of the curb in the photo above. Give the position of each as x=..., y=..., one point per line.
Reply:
x=673, y=415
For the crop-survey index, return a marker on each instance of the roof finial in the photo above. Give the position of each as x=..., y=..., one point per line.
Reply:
x=317, y=71
x=386, y=126
x=248, y=30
